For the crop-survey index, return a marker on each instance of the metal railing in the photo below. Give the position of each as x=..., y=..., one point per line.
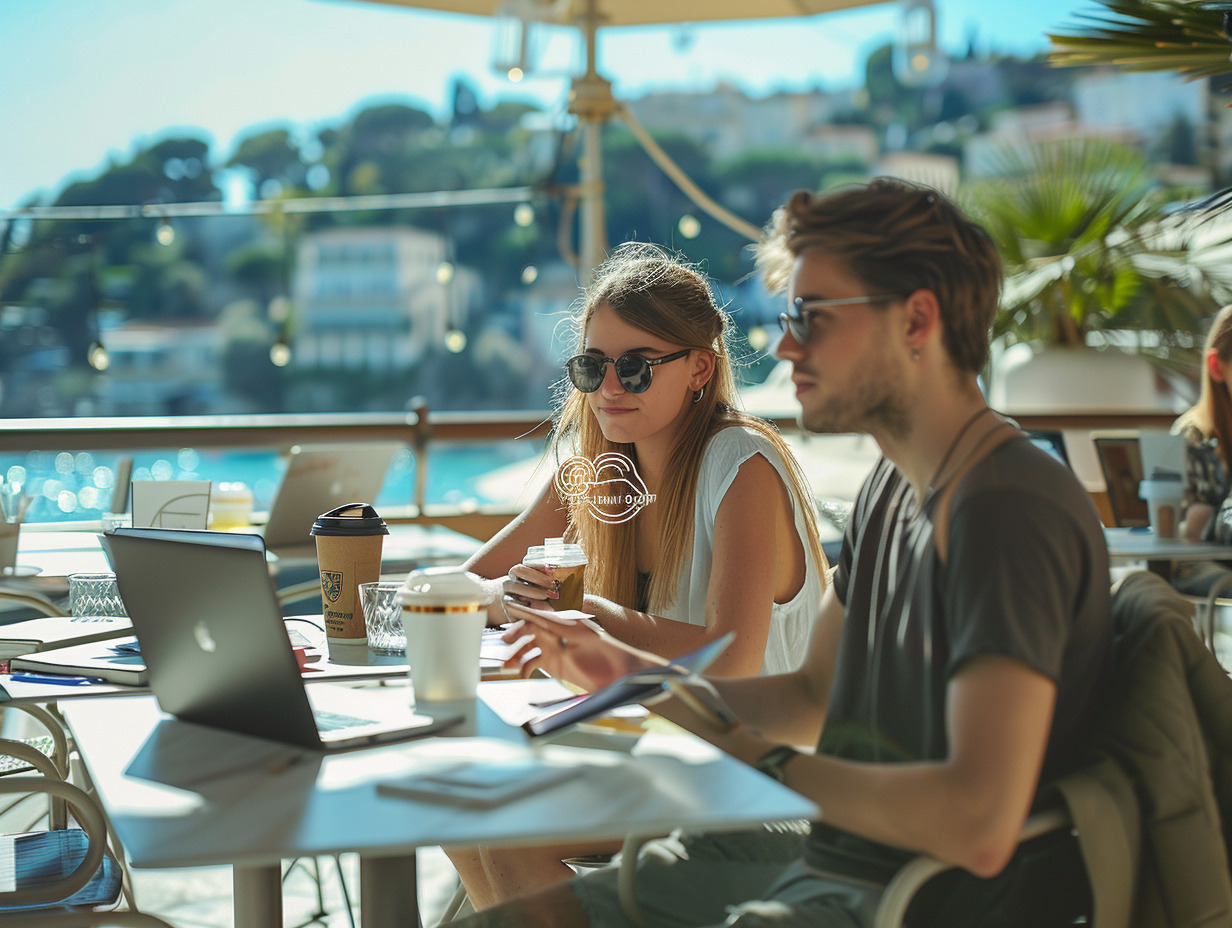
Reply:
x=417, y=428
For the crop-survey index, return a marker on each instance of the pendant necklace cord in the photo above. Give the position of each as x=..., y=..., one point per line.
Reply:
x=949, y=452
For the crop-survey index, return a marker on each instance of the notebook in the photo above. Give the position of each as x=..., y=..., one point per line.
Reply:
x=57, y=631
x=320, y=478
x=107, y=660
x=217, y=650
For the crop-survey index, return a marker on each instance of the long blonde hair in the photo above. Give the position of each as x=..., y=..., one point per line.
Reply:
x=1212, y=414
x=654, y=291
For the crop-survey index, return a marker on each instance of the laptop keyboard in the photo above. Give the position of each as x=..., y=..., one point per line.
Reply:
x=336, y=721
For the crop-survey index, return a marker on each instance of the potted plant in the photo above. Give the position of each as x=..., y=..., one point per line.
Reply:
x=1105, y=288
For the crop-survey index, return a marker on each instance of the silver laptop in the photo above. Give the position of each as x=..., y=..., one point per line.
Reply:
x=320, y=478
x=217, y=651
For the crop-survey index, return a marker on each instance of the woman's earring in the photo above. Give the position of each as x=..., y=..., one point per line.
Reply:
x=697, y=397
x=915, y=355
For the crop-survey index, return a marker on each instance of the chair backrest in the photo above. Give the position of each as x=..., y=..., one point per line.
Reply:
x=1168, y=727
x=1152, y=808
x=34, y=886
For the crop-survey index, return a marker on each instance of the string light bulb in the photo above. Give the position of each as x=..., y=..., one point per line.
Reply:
x=97, y=356
x=165, y=233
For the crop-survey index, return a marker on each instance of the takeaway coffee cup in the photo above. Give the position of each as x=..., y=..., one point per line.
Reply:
x=1162, y=492
x=568, y=563
x=443, y=614
x=349, y=541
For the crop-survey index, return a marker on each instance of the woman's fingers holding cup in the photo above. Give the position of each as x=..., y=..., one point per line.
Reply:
x=531, y=583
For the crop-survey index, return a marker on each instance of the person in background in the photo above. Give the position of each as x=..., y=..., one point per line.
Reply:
x=1206, y=510
x=730, y=542
x=962, y=649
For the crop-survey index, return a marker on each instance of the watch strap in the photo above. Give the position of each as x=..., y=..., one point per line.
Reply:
x=772, y=762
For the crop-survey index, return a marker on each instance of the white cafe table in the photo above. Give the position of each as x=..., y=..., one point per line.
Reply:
x=350, y=664
x=54, y=554
x=279, y=802
x=1137, y=544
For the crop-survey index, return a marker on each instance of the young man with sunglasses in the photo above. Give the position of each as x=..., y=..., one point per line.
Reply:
x=962, y=647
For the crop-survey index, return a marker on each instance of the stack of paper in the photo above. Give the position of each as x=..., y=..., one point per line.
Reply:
x=48, y=632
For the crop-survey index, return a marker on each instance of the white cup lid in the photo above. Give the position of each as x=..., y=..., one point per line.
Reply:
x=555, y=552
x=441, y=586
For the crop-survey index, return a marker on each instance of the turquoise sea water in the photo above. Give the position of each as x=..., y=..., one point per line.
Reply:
x=65, y=486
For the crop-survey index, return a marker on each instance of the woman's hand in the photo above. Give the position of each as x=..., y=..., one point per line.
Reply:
x=530, y=586
x=575, y=650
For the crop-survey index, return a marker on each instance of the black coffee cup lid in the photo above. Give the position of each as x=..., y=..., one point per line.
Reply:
x=363, y=520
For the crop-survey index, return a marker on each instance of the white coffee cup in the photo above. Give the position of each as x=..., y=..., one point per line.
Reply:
x=1162, y=492
x=443, y=614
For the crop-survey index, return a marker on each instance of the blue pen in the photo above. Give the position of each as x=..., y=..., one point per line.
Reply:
x=53, y=679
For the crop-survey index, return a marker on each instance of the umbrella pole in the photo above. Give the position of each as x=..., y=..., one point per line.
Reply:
x=590, y=99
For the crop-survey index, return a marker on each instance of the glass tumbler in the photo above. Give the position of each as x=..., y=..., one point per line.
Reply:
x=94, y=597
x=383, y=617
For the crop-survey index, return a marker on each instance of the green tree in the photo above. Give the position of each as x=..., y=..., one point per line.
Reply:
x=261, y=267
x=766, y=177
x=274, y=158
x=247, y=371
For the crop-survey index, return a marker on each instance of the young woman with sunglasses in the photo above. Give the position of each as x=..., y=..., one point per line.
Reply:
x=730, y=541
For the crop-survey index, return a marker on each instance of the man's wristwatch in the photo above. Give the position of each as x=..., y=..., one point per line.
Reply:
x=772, y=762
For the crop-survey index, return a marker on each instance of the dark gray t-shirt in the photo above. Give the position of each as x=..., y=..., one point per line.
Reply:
x=1026, y=577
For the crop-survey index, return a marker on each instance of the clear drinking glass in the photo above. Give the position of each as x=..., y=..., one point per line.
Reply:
x=383, y=617
x=93, y=597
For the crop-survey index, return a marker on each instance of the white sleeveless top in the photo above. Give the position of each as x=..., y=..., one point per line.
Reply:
x=790, y=622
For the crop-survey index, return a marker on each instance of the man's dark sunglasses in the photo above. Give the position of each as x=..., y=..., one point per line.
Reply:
x=800, y=322
x=632, y=370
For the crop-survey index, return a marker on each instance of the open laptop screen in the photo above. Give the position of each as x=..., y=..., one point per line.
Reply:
x=1120, y=459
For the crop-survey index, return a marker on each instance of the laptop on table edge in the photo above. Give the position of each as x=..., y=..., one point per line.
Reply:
x=319, y=478
x=216, y=649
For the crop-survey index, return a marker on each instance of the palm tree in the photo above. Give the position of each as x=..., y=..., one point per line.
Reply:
x=1091, y=251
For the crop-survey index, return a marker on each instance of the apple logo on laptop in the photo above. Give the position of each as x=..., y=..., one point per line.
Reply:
x=205, y=641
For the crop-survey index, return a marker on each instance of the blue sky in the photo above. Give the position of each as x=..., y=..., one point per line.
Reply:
x=82, y=80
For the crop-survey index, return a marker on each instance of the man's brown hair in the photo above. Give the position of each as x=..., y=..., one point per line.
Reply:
x=897, y=237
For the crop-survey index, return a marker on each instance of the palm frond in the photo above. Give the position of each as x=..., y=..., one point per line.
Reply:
x=1088, y=248
x=1147, y=35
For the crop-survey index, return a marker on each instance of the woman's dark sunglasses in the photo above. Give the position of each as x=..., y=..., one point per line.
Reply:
x=632, y=370
x=800, y=322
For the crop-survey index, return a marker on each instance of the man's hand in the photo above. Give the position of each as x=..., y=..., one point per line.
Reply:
x=569, y=646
